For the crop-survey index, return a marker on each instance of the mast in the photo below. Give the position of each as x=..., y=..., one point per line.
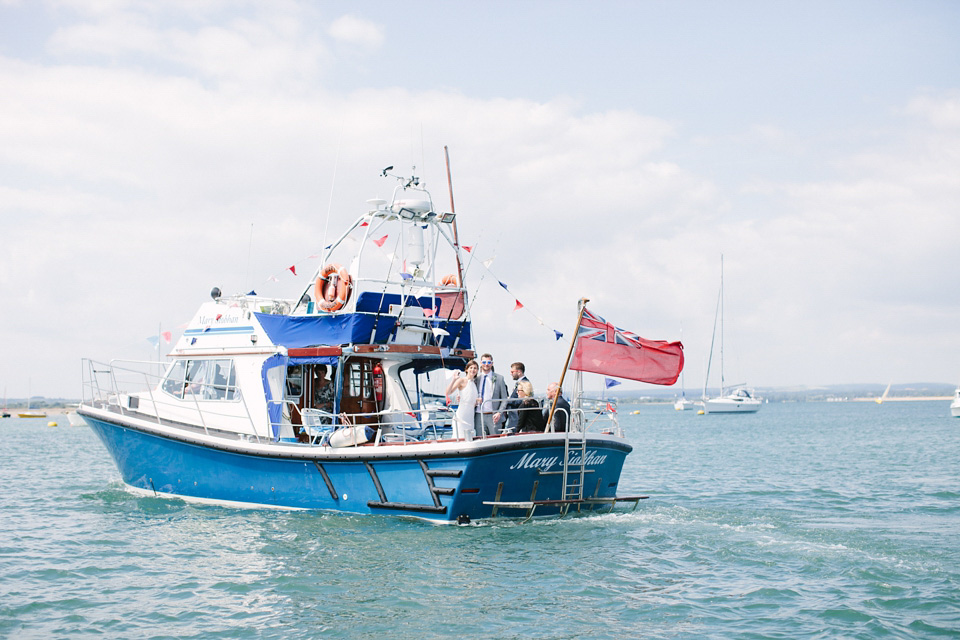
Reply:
x=722, y=380
x=456, y=239
x=713, y=337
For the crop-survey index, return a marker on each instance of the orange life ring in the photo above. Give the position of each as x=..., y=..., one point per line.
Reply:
x=332, y=288
x=449, y=280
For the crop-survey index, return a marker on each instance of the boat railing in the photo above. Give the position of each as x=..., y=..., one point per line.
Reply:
x=430, y=424
x=597, y=416
x=125, y=386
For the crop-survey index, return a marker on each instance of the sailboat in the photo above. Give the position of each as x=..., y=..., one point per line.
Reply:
x=28, y=413
x=734, y=399
x=683, y=403
x=5, y=413
x=886, y=392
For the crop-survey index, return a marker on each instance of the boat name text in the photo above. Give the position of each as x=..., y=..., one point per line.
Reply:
x=533, y=461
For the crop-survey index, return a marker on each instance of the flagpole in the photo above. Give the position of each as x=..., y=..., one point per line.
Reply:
x=456, y=239
x=573, y=343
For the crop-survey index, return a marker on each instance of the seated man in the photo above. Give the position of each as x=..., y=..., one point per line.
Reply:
x=562, y=412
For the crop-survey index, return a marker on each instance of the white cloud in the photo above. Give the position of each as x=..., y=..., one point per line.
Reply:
x=352, y=30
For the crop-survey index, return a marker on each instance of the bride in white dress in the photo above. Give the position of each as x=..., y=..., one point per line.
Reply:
x=463, y=427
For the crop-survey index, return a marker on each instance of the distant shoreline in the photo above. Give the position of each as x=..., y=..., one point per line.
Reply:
x=903, y=399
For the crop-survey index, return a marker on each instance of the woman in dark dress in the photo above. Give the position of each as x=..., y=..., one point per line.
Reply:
x=529, y=412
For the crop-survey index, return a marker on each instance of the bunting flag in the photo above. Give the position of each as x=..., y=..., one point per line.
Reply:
x=519, y=305
x=504, y=286
x=292, y=269
x=167, y=336
x=558, y=334
x=428, y=312
x=487, y=263
x=273, y=279
x=467, y=249
x=252, y=293
x=364, y=224
x=610, y=382
x=611, y=408
x=406, y=276
x=608, y=350
x=380, y=242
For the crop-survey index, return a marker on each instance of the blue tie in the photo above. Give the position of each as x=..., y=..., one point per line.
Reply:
x=483, y=385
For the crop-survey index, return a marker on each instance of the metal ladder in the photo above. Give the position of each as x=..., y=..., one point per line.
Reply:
x=574, y=474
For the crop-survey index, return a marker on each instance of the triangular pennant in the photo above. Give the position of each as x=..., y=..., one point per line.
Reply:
x=380, y=242
x=428, y=312
x=251, y=293
x=519, y=306
x=503, y=285
x=406, y=276
x=488, y=262
x=293, y=269
x=467, y=249
x=558, y=334
x=167, y=336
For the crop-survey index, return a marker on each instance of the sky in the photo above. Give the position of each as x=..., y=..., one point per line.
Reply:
x=610, y=150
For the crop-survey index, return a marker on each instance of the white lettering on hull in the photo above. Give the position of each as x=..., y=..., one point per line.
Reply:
x=531, y=460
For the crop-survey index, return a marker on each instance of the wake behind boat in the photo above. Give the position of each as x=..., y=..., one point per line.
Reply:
x=320, y=402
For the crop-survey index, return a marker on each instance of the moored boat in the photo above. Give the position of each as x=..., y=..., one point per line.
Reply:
x=738, y=400
x=955, y=405
x=322, y=401
x=735, y=398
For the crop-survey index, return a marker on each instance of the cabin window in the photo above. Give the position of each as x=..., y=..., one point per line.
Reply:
x=173, y=383
x=294, y=387
x=359, y=382
x=202, y=380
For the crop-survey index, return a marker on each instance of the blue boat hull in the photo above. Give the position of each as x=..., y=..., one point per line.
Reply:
x=442, y=486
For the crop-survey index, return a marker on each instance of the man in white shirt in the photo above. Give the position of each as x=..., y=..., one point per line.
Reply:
x=493, y=396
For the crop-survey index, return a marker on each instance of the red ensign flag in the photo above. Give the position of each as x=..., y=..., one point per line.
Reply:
x=605, y=349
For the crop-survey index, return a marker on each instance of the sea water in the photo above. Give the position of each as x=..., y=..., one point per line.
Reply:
x=819, y=520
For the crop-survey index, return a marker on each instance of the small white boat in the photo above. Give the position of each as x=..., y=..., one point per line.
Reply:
x=682, y=403
x=32, y=414
x=735, y=399
x=955, y=405
x=739, y=400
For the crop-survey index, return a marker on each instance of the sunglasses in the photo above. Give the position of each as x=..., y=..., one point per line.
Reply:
x=486, y=361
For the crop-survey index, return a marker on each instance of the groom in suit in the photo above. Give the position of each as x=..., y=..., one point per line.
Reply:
x=518, y=372
x=493, y=395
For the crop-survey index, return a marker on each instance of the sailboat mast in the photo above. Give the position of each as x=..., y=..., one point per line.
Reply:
x=722, y=380
x=713, y=338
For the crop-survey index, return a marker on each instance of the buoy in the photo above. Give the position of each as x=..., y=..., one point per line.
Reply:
x=700, y=413
x=52, y=423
